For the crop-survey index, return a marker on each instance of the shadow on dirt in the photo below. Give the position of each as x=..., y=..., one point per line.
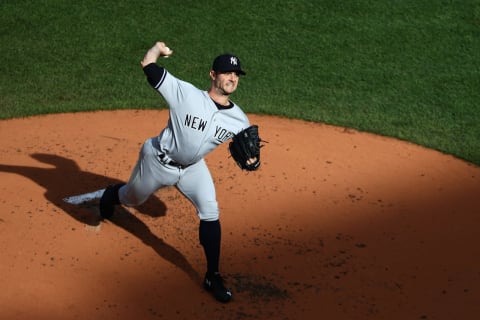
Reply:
x=66, y=179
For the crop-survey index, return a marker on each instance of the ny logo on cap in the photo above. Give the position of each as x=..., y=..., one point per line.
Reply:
x=233, y=60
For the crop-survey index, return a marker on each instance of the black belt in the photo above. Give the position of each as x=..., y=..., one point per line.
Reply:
x=178, y=165
x=173, y=163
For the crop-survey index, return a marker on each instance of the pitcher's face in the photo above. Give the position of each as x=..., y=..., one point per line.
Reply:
x=225, y=82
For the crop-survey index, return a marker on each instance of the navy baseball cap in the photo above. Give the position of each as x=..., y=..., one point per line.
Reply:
x=227, y=63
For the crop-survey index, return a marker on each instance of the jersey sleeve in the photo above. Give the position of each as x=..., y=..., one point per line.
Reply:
x=173, y=90
x=155, y=74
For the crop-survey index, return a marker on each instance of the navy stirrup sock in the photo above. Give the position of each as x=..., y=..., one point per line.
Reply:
x=210, y=237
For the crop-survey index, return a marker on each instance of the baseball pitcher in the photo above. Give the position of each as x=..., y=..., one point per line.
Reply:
x=199, y=122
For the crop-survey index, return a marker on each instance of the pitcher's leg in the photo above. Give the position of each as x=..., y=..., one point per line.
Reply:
x=109, y=200
x=210, y=235
x=148, y=176
x=197, y=185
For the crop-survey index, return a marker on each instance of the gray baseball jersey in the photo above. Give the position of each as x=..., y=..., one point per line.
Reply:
x=196, y=126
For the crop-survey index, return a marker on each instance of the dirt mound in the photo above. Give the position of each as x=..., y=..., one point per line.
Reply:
x=337, y=224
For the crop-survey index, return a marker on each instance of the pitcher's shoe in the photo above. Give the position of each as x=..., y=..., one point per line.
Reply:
x=108, y=200
x=214, y=284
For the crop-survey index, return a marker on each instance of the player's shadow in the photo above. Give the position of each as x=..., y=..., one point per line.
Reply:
x=65, y=178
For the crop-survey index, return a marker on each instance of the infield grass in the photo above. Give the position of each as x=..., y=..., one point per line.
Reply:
x=408, y=69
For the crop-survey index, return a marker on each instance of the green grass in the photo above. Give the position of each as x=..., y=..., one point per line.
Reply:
x=408, y=69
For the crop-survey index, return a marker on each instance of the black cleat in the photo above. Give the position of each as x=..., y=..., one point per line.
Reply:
x=108, y=200
x=214, y=284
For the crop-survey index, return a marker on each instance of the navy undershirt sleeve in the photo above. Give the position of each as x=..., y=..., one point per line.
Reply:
x=155, y=74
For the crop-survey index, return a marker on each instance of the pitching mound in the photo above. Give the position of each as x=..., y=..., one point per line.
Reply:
x=336, y=224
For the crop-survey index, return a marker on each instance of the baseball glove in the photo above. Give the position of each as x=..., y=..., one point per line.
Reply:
x=245, y=148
